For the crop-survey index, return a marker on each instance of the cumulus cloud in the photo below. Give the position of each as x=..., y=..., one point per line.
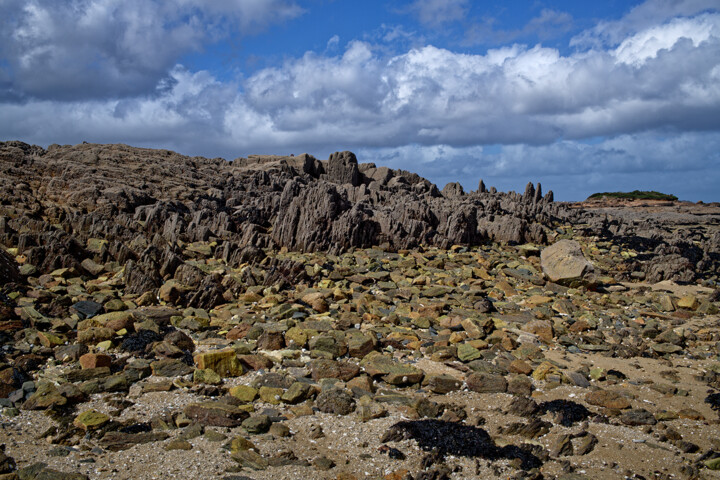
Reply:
x=642, y=17
x=62, y=49
x=664, y=77
x=510, y=95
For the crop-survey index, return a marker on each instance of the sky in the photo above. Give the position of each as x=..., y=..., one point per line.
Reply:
x=583, y=97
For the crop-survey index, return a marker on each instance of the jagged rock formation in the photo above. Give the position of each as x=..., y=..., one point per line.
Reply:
x=141, y=208
x=138, y=198
x=8, y=268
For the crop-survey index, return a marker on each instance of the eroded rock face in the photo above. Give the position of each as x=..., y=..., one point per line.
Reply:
x=8, y=268
x=146, y=210
x=134, y=206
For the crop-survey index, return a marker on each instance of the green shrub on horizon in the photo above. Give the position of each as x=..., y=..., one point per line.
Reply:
x=635, y=195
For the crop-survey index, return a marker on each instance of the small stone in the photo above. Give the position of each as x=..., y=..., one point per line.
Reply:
x=213, y=436
x=335, y=401
x=271, y=341
x=178, y=445
x=192, y=431
x=520, y=385
x=91, y=420
x=244, y=393
x=520, y=366
x=279, y=430
x=170, y=367
x=638, y=416
x=664, y=348
x=402, y=374
x=271, y=395
x=50, y=340
x=586, y=444
x=240, y=444
x=691, y=414
x=298, y=392
x=544, y=370
x=607, y=399
x=207, y=376
x=223, y=362
x=257, y=424
x=250, y=459
x=92, y=268
x=713, y=463
x=443, y=384
x=467, y=353
x=95, y=360
x=542, y=328
x=323, y=463
x=46, y=395
x=217, y=414
x=564, y=262
x=577, y=379
x=689, y=302
x=86, y=309
x=486, y=383
x=562, y=446
x=333, y=369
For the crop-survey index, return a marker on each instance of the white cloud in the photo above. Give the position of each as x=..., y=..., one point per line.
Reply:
x=646, y=44
x=642, y=17
x=434, y=96
x=108, y=48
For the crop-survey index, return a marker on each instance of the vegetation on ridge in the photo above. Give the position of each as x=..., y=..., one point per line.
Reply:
x=635, y=195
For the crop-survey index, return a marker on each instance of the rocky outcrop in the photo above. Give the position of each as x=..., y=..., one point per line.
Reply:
x=146, y=209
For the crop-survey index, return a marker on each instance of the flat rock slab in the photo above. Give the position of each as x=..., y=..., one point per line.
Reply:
x=116, y=441
x=217, y=414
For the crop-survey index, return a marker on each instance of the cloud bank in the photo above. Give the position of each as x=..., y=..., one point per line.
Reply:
x=639, y=100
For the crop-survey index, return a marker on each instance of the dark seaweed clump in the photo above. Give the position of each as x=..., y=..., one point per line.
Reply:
x=714, y=400
x=445, y=438
x=137, y=342
x=566, y=412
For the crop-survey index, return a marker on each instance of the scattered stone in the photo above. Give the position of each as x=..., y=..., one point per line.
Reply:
x=257, y=424
x=486, y=383
x=178, y=445
x=335, y=401
x=607, y=399
x=217, y=414
x=91, y=420
x=95, y=360
x=638, y=416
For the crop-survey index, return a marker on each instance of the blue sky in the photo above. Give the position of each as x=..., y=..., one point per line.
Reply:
x=581, y=96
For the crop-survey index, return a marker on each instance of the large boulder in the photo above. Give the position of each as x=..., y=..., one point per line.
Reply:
x=563, y=262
